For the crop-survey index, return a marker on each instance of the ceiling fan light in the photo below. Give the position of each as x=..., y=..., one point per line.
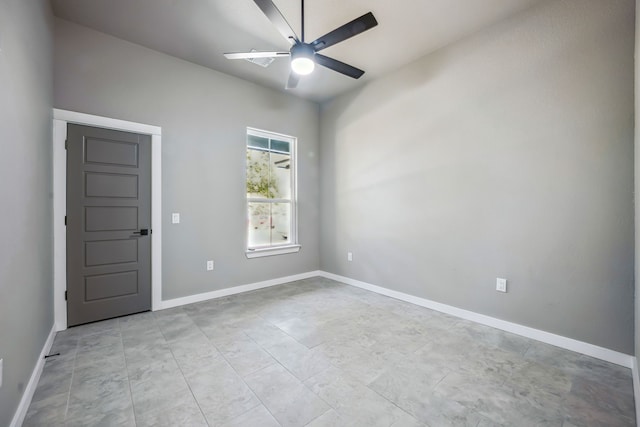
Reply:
x=302, y=62
x=302, y=65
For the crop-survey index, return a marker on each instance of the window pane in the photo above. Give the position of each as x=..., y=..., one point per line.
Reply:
x=281, y=176
x=280, y=145
x=257, y=141
x=259, y=224
x=270, y=190
x=281, y=223
x=259, y=174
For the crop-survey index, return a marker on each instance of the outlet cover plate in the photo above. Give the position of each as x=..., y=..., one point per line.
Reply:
x=209, y=265
x=501, y=285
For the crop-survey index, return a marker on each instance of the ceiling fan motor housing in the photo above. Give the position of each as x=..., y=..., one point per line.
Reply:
x=302, y=55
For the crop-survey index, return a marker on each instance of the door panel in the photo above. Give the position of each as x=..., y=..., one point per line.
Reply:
x=111, y=185
x=112, y=285
x=110, y=252
x=103, y=151
x=111, y=218
x=108, y=201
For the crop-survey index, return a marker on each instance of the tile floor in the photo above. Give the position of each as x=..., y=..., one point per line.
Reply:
x=319, y=353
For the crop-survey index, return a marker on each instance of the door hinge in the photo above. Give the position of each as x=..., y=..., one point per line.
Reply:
x=66, y=144
x=65, y=220
x=65, y=295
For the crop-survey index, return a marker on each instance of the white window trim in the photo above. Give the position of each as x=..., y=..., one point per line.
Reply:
x=294, y=246
x=274, y=250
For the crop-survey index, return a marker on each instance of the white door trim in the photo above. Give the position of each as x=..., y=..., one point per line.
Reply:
x=60, y=120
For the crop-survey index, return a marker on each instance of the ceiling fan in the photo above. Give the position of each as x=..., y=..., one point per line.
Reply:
x=304, y=55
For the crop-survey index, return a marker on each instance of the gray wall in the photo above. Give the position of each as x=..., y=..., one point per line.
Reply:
x=26, y=252
x=507, y=154
x=637, y=188
x=203, y=115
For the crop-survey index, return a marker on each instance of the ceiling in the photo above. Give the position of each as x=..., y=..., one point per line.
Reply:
x=200, y=31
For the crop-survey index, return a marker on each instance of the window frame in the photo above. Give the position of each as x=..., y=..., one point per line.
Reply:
x=293, y=245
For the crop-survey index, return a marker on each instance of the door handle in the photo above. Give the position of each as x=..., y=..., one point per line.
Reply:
x=142, y=232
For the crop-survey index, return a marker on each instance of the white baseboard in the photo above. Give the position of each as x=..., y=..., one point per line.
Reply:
x=557, y=340
x=236, y=290
x=636, y=388
x=23, y=407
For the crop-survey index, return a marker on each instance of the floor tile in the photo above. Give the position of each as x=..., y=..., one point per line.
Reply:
x=165, y=390
x=319, y=353
x=185, y=413
x=98, y=341
x=221, y=393
x=145, y=352
x=141, y=370
x=290, y=402
x=298, y=359
x=353, y=401
x=104, y=326
x=329, y=419
x=48, y=411
x=265, y=334
x=99, y=401
x=194, y=354
x=582, y=413
x=65, y=344
x=120, y=418
x=112, y=354
x=604, y=398
x=407, y=384
x=244, y=355
x=55, y=378
x=258, y=416
x=495, y=401
x=406, y=420
x=223, y=333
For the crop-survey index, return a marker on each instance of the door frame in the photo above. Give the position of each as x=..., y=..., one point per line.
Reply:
x=60, y=120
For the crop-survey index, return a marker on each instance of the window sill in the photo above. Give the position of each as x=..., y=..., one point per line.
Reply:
x=281, y=250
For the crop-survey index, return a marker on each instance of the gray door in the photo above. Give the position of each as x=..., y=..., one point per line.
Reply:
x=108, y=212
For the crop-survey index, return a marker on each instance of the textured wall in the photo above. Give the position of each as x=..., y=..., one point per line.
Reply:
x=507, y=154
x=203, y=115
x=26, y=252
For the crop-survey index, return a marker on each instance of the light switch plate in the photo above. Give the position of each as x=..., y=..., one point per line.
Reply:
x=501, y=285
x=175, y=218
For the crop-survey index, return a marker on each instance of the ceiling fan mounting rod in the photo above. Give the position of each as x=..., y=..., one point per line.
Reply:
x=302, y=20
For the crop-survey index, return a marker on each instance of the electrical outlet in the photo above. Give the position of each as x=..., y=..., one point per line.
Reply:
x=209, y=265
x=1, y=373
x=175, y=218
x=349, y=256
x=501, y=285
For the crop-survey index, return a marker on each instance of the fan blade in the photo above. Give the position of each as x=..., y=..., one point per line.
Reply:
x=338, y=66
x=353, y=28
x=249, y=55
x=276, y=18
x=292, y=83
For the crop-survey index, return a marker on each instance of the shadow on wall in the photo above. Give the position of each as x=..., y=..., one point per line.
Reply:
x=507, y=153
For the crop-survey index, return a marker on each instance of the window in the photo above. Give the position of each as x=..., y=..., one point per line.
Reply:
x=271, y=194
